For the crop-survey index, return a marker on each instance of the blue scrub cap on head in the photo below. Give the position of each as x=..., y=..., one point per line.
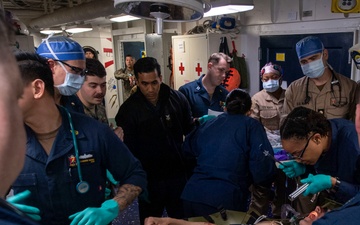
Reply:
x=309, y=46
x=61, y=48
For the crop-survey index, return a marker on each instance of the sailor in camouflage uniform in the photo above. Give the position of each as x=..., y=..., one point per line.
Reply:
x=127, y=76
x=93, y=91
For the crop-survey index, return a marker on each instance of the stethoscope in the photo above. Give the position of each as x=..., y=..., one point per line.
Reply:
x=333, y=82
x=82, y=187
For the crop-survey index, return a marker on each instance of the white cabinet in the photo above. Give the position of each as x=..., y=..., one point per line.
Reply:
x=191, y=54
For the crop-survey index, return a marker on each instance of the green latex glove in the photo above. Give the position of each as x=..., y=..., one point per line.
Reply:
x=111, y=178
x=317, y=183
x=108, y=211
x=31, y=211
x=205, y=118
x=292, y=168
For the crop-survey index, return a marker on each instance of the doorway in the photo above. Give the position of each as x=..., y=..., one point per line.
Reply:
x=135, y=48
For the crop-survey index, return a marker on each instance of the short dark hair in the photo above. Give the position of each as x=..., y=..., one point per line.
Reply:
x=146, y=65
x=92, y=50
x=128, y=55
x=238, y=101
x=301, y=121
x=95, y=68
x=32, y=66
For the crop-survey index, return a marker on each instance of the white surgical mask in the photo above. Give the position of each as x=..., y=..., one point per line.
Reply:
x=314, y=69
x=271, y=85
x=72, y=83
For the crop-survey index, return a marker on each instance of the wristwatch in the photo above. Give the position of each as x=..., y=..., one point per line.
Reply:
x=337, y=185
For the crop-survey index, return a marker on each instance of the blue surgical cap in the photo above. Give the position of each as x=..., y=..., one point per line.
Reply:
x=309, y=46
x=62, y=48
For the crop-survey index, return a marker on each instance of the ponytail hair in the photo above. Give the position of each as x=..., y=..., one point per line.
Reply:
x=238, y=101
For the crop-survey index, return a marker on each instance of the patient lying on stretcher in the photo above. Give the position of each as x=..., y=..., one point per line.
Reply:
x=313, y=216
x=347, y=214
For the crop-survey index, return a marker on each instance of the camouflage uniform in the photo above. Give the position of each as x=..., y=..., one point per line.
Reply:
x=124, y=75
x=98, y=113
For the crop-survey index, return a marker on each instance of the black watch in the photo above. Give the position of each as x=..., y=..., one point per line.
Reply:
x=337, y=184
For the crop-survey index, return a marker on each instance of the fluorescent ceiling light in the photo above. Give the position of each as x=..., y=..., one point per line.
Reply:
x=125, y=18
x=78, y=29
x=228, y=9
x=50, y=31
x=222, y=7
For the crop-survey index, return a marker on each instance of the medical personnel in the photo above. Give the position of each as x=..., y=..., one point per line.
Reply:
x=207, y=93
x=267, y=107
x=267, y=104
x=231, y=152
x=326, y=153
x=349, y=212
x=67, y=157
x=321, y=89
x=66, y=59
x=12, y=138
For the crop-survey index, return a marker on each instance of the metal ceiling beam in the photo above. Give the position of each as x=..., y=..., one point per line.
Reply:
x=85, y=11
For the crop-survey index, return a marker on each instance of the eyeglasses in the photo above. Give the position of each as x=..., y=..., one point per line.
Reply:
x=77, y=70
x=303, y=151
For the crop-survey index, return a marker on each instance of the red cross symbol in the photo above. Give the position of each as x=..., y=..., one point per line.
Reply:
x=181, y=68
x=198, y=69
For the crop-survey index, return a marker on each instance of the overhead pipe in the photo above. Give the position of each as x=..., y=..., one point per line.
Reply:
x=85, y=11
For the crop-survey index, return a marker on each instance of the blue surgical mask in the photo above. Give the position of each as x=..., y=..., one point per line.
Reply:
x=314, y=69
x=271, y=85
x=72, y=83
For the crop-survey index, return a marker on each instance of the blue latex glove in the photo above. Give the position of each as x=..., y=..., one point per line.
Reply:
x=111, y=178
x=31, y=211
x=205, y=118
x=292, y=168
x=107, y=193
x=108, y=211
x=317, y=183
